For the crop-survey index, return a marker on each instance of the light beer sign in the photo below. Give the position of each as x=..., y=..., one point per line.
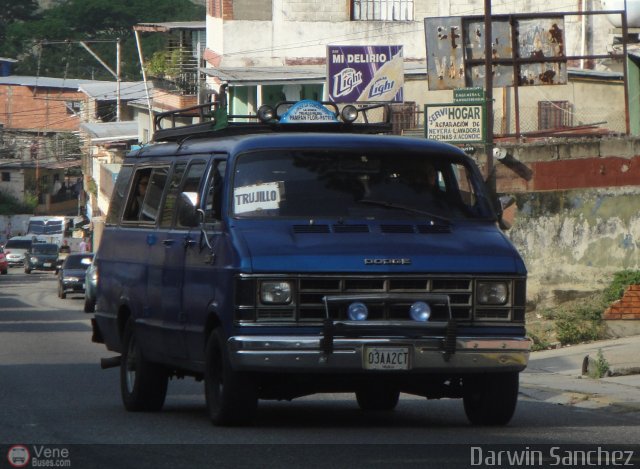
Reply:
x=365, y=74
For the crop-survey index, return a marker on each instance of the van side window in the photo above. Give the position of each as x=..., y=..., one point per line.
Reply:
x=191, y=184
x=166, y=219
x=213, y=205
x=153, y=197
x=146, y=194
x=119, y=194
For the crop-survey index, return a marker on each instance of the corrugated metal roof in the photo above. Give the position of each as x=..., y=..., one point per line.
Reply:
x=594, y=74
x=44, y=82
x=126, y=130
x=20, y=164
x=107, y=90
x=297, y=74
x=170, y=26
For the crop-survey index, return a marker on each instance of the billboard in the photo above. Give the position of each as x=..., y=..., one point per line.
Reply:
x=365, y=74
x=529, y=50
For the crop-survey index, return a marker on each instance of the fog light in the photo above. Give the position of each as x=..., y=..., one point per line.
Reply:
x=266, y=113
x=420, y=311
x=349, y=113
x=358, y=311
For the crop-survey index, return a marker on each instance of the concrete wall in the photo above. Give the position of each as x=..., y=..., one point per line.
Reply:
x=578, y=216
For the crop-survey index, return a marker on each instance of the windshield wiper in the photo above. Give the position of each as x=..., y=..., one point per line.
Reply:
x=382, y=203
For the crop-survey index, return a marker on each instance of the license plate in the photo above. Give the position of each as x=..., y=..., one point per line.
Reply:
x=386, y=358
x=47, y=264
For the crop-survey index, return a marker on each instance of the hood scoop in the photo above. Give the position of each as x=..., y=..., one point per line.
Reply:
x=338, y=228
x=363, y=228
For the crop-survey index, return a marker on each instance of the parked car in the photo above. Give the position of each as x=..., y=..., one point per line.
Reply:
x=72, y=273
x=90, y=285
x=16, y=248
x=4, y=265
x=41, y=256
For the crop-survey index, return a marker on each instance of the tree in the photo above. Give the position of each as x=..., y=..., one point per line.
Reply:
x=89, y=20
x=12, y=12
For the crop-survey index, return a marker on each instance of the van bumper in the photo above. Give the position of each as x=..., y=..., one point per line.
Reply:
x=432, y=354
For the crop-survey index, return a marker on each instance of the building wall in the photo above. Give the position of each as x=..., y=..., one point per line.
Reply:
x=301, y=29
x=37, y=109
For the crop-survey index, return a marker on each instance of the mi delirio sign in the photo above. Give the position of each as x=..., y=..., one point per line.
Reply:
x=462, y=121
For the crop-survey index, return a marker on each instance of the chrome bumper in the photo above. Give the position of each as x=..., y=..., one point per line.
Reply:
x=308, y=354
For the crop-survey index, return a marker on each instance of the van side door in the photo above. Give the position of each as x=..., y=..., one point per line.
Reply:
x=208, y=264
x=166, y=259
x=137, y=239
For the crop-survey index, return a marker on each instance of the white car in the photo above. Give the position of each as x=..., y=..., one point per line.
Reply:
x=16, y=248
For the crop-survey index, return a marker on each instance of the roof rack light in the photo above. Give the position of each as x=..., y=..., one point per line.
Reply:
x=266, y=113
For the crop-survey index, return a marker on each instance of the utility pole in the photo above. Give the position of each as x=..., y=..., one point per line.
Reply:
x=488, y=87
x=116, y=74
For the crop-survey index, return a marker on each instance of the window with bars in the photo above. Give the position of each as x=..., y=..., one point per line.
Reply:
x=382, y=10
x=403, y=116
x=554, y=114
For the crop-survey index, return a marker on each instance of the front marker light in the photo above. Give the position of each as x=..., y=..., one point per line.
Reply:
x=358, y=311
x=420, y=311
x=275, y=292
x=492, y=293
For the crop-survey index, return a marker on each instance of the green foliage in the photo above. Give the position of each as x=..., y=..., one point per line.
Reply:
x=621, y=280
x=582, y=322
x=539, y=341
x=89, y=20
x=9, y=205
x=601, y=366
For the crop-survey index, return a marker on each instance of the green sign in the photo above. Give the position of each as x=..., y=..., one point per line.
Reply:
x=468, y=95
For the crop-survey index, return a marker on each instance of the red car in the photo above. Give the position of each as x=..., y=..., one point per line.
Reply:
x=4, y=265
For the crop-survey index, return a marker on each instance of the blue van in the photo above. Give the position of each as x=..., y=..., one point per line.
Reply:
x=306, y=252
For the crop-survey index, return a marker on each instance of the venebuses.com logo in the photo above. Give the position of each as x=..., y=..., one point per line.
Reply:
x=18, y=456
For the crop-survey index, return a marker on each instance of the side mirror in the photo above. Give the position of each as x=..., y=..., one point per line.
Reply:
x=507, y=212
x=188, y=211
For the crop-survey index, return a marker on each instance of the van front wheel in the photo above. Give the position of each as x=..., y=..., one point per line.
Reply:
x=143, y=384
x=231, y=396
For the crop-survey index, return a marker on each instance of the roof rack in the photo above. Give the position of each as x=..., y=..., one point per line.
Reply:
x=211, y=119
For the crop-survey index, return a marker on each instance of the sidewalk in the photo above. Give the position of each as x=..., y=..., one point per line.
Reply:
x=556, y=376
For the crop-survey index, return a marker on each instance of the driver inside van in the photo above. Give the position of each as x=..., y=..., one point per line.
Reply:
x=136, y=203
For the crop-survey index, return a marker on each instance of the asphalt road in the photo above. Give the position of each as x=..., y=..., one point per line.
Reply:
x=54, y=395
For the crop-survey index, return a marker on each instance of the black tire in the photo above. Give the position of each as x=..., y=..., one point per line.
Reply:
x=143, y=385
x=490, y=399
x=377, y=398
x=231, y=396
x=89, y=305
x=5, y=272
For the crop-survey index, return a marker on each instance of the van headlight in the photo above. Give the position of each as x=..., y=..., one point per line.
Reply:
x=275, y=292
x=492, y=293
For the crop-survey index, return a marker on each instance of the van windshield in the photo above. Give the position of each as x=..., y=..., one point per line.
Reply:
x=374, y=184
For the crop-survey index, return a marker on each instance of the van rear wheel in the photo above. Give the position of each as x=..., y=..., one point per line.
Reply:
x=491, y=398
x=143, y=385
x=231, y=396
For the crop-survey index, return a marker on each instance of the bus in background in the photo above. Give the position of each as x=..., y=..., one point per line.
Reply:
x=56, y=229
